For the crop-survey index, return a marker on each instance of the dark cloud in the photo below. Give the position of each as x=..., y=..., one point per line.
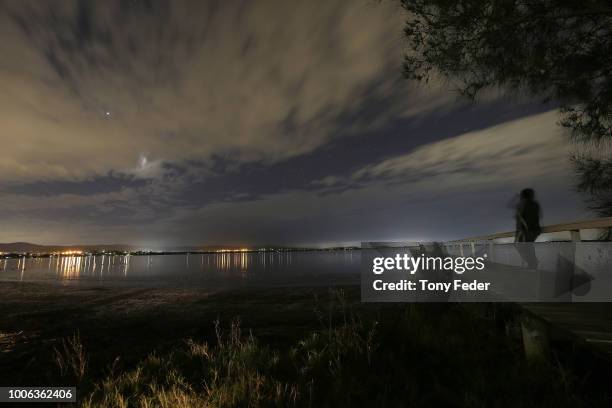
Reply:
x=268, y=121
x=96, y=185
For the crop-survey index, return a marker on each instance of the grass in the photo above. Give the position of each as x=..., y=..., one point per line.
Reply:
x=285, y=347
x=71, y=358
x=413, y=355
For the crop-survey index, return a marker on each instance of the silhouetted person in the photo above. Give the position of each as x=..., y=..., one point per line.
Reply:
x=527, y=217
x=527, y=226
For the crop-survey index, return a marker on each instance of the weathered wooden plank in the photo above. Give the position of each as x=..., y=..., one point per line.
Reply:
x=590, y=321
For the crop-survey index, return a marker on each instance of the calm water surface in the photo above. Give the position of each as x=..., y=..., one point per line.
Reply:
x=211, y=270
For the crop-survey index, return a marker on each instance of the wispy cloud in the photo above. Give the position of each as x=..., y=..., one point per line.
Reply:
x=526, y=150
x=91, y=87
x=181, y=120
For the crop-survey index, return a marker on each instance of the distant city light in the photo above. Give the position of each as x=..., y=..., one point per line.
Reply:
x=72, y=252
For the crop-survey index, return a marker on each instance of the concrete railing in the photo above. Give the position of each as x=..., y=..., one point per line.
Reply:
x=573, y=228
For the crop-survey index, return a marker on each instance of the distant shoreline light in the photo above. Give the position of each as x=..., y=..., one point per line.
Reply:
x=106, y=252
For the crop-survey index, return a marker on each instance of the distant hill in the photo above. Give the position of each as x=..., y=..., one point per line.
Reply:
x=36, y=248
x=29, y=247
x=22, y=247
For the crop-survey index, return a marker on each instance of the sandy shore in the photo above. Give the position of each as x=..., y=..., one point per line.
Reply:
x=133, y=322
x=121, y=326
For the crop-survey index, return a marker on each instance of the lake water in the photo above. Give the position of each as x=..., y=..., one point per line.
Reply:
x=239, y=269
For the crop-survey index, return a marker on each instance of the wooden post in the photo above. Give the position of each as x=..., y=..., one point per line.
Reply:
x=535, y=338
x=575, y=235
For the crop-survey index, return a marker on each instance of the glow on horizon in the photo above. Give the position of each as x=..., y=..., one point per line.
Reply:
x=72, y=252
x=234, y=250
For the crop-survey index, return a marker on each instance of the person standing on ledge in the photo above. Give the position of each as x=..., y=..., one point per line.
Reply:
x=528, y=214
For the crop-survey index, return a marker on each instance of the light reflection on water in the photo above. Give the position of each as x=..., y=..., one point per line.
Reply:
x=242, y=268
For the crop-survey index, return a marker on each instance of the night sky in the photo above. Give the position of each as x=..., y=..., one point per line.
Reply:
x=252, y=122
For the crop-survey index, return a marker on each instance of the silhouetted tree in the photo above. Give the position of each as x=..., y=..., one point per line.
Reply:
x=595, y=179
x=559, y=50
x=554, y=50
